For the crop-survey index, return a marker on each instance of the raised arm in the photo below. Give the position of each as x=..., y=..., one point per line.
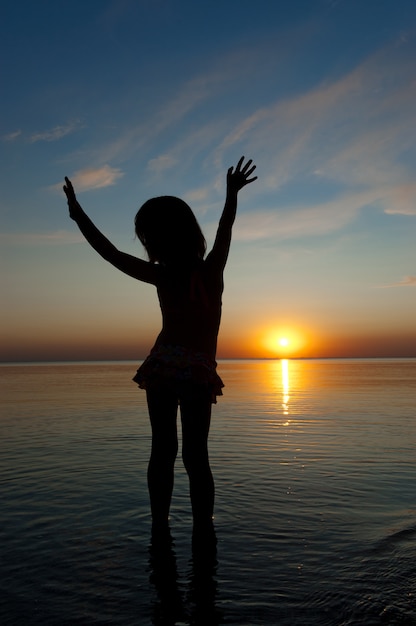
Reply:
x=131, y=265
x=236, y=179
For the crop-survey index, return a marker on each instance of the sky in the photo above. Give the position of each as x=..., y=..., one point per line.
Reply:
x=139, y=98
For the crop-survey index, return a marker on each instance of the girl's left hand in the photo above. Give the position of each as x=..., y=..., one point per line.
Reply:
x=73, y=204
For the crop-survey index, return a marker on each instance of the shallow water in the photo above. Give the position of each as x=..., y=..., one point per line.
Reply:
x=315, y=508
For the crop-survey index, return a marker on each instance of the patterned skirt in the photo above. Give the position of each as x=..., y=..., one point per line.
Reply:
x=180, y=370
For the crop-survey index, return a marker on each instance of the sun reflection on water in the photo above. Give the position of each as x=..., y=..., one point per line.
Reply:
x=285, y=386
x=279, y=373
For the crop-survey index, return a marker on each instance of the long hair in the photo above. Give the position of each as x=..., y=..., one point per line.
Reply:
x=169, y=231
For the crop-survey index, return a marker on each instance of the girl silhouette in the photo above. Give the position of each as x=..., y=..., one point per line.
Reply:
x=181, y=367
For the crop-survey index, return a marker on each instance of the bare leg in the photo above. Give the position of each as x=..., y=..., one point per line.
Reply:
x=196, y=418
x=163, y=407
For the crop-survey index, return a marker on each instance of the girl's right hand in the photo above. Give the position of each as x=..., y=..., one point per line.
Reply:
x=239, y=178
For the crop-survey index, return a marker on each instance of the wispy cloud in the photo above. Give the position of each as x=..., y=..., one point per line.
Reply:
x=144, y=135
x=283, y=222
x=161, y=163
x=350, y=134
x=197, y=195
x=56, y=133
x=180, y=158
x=354, y=133
x=300, y=221
x=407, y=281
x=94, y=178
x=402, y=200
x=12, y=136
x=178, y=107
x=60, y=237
x=49, y=135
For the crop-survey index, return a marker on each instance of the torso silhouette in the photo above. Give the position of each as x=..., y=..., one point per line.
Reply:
x=190, y=301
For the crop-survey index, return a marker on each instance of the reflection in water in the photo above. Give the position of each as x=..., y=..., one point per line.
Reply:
x=285, y=386
x=174, y=605
x=317, y=516
x=202, y=582
x=164, y=576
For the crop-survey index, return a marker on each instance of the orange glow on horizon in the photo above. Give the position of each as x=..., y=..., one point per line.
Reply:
x=282, y=342
x=268, y=340
x=61, y=339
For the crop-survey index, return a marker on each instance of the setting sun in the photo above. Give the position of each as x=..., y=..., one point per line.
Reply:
x=282, y=342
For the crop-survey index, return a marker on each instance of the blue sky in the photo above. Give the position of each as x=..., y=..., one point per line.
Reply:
x=133, y=99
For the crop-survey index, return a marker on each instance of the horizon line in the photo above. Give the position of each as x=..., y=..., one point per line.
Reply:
x=277, y=358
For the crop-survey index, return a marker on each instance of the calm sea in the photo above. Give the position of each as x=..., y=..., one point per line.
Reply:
x=314, y=464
